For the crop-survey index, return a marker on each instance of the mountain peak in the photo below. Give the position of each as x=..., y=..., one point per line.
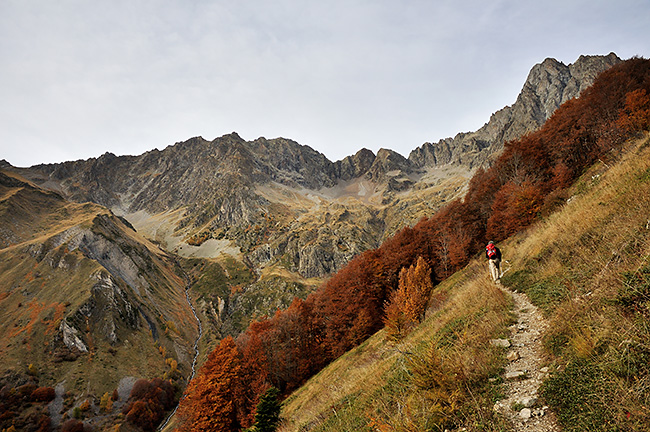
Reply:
x=548, y=85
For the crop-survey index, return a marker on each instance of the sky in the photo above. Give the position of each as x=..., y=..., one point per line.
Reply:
x=79, y=78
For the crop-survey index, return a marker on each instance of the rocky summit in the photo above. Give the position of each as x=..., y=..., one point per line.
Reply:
x=549, y=85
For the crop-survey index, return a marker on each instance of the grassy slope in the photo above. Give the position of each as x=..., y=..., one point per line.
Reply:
x=587, y=267
x=379, y=386
x=576, y=265
x=36, y=294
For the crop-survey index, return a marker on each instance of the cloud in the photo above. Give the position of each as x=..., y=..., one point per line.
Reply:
x=82, y=78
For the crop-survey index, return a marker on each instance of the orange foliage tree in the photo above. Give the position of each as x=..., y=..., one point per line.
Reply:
x=148, y=402
x=515, y=207
x=635, y=115
x=214, y=395
x=406, y=305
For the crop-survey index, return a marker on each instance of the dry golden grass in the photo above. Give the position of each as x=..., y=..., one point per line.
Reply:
x=576, y=266
x=573, y=265
x=382, y=386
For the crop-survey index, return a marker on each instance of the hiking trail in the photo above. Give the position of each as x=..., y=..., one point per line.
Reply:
x=525, y=370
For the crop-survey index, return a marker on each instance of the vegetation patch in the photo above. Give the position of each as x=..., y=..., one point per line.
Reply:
x=634, y=294
x=576, y=394
x=545, y=294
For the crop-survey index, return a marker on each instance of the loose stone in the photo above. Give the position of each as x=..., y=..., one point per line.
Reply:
x=513, y=356
x=529, y=401
x=503, y=343
x=515, y=375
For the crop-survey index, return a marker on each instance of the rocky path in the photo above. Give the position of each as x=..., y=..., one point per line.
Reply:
x=525, y=370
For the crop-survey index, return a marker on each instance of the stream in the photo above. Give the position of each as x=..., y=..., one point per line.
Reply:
x=196, y=352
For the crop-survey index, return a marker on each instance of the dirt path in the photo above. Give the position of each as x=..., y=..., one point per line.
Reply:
x=526, y=370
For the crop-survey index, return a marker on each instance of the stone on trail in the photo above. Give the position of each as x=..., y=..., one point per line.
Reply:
x=503, y=343
x=513, y=356
x=515, y=375
x=529, y=401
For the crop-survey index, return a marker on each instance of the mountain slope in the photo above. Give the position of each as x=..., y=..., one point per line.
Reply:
x=597, y=343
x=549, y=85
x=86, y=302
x=259, y=222
x=528, y=180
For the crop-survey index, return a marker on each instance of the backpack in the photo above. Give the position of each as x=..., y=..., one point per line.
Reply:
x=491, y=251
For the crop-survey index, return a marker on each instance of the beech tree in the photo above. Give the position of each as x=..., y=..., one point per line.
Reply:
x=635, y=116
x=213, y=396
x=293, y=345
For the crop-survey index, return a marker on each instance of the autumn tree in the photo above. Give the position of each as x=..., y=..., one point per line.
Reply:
x=148, y=402
x=286, y=349
x=213, y=396
x=407, y=305
x=515, y=207
x=635, y=116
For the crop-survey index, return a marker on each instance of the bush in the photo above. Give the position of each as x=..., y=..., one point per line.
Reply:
x=25, y=391
x=72, y=425
x=43, y=394
x=149, y=401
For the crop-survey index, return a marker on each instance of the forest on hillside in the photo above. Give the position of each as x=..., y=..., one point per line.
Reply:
x=527, y=181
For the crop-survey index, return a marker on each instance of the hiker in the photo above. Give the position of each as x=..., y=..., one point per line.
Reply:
x=493, y=255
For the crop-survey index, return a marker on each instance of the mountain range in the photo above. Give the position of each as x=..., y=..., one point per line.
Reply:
x=97, y=256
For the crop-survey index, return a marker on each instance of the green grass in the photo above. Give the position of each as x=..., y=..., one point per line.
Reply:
x=576, y=395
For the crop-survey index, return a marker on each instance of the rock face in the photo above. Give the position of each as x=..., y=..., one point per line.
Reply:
x=89, y=284
x=549, y=85
x=78, y=283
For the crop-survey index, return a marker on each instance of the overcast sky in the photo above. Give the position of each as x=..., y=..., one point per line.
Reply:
x=79, y=78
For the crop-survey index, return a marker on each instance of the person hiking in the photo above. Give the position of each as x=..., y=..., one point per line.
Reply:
x=493, y=255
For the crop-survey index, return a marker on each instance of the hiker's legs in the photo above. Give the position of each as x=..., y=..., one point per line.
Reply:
x=494, y=269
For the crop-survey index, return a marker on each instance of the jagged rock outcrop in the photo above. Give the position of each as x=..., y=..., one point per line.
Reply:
x=549, y=84
x=356, y=165
x=78, y=282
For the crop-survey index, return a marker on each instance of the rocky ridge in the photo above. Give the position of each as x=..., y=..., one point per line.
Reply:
x=78, y=281
x=549, y=85
x=268, y=198
x=274, y=206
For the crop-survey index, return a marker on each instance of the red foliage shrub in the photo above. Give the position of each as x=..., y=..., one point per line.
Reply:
x=25, y=391
x=144, y=415
x=148, y=402
x=43, y=394
x=72, y=425
x=38, y=423
x=635, y=115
